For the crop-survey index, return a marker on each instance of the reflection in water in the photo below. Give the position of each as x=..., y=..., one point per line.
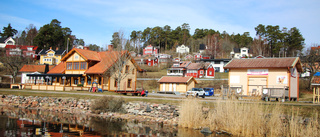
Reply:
x=31, y=122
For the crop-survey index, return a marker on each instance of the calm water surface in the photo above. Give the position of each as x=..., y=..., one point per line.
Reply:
x=17, y=122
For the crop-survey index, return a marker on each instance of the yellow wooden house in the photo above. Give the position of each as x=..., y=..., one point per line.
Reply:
x=51, y=57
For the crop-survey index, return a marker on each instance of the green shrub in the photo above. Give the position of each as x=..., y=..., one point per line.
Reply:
x=80, y=85
x=108, y=104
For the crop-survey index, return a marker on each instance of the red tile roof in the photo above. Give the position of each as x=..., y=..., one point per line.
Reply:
x=104, y=59
x=59, y=69
x=86, y=54
x=35, y=68
x=169, y=79
x=265, y=63
x=24, y=47
x=315, y=80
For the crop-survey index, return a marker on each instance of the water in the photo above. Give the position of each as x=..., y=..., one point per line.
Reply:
x=17, y=122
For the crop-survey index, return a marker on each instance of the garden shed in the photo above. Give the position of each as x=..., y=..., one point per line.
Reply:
x=274, y=77
x=176, y=84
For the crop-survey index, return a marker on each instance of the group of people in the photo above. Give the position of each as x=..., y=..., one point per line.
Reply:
x=144, y=93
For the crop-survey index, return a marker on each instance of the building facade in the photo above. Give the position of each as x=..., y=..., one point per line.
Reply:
x=51, y=56
x=252, y=77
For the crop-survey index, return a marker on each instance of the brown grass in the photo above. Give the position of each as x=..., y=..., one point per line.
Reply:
x=247, y=119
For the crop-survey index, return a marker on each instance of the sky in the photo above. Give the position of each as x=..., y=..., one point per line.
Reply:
x=96, y=20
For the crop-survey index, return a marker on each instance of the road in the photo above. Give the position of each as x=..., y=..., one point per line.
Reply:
x=157, y=96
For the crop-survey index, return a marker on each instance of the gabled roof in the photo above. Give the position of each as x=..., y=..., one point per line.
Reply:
x=104, y=60
x=57, y=52
x=170, y=79
x=59, y=69
x=202, y=47
x=265, y=63
x=86, y=54
x=34, y=68
x=195, y=66
x=2, y=40
x=22, y=47
x=182, y=64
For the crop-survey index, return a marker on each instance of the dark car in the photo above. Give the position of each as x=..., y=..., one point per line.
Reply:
x=209, y=91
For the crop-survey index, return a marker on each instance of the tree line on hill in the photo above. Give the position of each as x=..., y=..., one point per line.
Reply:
x=271, y=41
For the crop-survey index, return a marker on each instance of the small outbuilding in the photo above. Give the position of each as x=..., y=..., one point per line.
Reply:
x=274, y=77
x=315, y=83
x=176, y=84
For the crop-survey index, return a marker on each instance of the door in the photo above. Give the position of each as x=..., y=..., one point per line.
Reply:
x=255, y=86
x=164, y=87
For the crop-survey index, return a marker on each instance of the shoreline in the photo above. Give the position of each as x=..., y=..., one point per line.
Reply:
x=147, y=113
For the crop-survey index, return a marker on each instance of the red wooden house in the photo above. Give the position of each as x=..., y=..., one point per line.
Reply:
x=210, y=71
x=150, y=50
x=152, y=61
x=197, y=70
x=21, y=50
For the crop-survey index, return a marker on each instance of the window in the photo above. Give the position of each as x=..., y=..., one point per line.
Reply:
x=127, y=69
x=69, y=65
x=50, y=54
x=75, y=65
x=29, y=48
x=133, y=70
x=210, y=72
x=201, y=71
x=244, y=50
x=129, y=83
x=83, y=65
x=76, y=57
x=115, y=82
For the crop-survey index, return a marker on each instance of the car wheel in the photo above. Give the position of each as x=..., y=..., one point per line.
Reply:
x=197, y=95
x=204, y=95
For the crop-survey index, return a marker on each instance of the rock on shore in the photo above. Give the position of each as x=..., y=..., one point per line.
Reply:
x=137, y=111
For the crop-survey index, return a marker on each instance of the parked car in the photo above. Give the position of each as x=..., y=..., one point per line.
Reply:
x=196, y=92
x=209, y=91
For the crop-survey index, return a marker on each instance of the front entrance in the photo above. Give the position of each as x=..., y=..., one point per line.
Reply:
x=255, y=85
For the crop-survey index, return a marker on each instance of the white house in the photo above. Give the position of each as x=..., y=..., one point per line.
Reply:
x=182, y=49
x=240, y=53
x=6, y=41
x=217, y=64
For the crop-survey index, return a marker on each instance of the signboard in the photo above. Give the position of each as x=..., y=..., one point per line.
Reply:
x=257, y=72
x=282, y=80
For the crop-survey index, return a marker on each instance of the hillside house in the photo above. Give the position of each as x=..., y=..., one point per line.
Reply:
x=252, y=77
x=51, y=56
x=150, y=50
x=217, y=64
x=241, y=53
x=182, y=49
x=197, y=70
x=21, y=50
x=81, y=69
x=6, y=41
x=178, y=68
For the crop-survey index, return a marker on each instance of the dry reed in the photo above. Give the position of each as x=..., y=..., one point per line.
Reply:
x=246, y=119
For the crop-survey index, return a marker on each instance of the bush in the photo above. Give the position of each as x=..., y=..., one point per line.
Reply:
x=108, y=104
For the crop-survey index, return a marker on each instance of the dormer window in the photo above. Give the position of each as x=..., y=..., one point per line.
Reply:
x=29, y=48
x=50, y=54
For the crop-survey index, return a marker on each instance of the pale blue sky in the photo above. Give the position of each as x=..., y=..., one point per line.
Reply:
x=96, y=20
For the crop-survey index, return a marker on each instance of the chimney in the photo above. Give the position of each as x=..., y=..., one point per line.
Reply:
x=46, y=68
x=86, y=48
x=50, y=47
x=110, y=47
x=57, y=48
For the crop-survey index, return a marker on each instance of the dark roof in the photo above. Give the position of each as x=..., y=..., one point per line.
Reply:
x=265, y=63
x=3, y=39
x=206, y=60
x=236, y=50
x=57, y=52
x=202, y=47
